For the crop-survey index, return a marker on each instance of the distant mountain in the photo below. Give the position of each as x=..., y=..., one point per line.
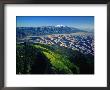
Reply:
x=59, y=26
x=45, y=30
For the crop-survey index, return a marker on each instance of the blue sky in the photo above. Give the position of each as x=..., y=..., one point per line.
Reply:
x=82, y=22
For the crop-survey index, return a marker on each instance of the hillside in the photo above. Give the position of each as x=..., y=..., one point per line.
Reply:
x=49, y=59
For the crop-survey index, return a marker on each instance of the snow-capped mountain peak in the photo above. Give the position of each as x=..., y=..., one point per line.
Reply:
x=60, y=26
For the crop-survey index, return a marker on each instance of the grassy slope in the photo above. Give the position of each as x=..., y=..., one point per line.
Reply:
x=57, y=59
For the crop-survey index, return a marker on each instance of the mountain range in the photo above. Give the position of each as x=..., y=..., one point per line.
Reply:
x=45, y=30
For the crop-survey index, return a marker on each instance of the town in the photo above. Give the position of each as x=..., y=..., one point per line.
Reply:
x=83, y=42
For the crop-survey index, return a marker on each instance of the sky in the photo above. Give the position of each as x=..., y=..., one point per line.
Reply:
x=81, y=22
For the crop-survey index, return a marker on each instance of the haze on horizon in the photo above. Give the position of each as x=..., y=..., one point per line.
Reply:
x=81, y=22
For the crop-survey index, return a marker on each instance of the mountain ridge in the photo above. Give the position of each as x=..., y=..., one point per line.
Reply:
x=45, y=30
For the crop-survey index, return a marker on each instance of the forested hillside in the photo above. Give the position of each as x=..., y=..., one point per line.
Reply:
x=51, y=59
